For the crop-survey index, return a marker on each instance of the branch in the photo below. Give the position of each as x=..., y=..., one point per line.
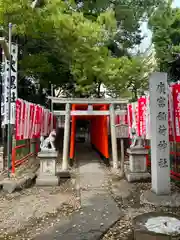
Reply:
x=35, y=3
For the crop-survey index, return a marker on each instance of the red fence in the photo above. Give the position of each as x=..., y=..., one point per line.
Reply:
x=23, y=152
x=31, y=122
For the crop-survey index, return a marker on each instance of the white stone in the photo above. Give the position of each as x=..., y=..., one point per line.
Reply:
x=160, y=162
x=48, y=166
x=137, y=163
x=47, y=174
x=48, y=141
x=45, y=180
x=48, y=154
x=137, y=176
x=163, y=225
x=137, y=160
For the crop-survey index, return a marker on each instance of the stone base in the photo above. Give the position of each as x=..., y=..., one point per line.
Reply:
x=46, y=180
x=135, y=177
x=141, y=232
x=149, y=197
x=48, y=154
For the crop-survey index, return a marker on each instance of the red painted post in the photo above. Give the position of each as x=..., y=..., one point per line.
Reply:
x=13, y=160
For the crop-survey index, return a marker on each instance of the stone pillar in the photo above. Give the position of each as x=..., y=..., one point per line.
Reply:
x=47, y=172
x=113, y=137
x=66, y=138
x=137, y=164
x=160, y=160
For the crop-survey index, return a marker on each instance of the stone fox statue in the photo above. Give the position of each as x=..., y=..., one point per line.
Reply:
x=137, y=141
x=48, y=143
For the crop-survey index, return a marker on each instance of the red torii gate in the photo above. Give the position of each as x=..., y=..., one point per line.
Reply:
x=98, y=129
x=98, y=107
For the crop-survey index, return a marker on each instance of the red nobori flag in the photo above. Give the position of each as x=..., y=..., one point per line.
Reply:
x=171, y=116
x=22, y=123
x=35, y=121
x=137, y=126
x=142, y=116
x=129, y=118
x=176, y=104
x=38, y=121
x=27, y=120
x=19, y=108
x=32, y=120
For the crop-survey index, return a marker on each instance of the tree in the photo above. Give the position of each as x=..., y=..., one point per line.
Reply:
x=165, y=23
x=75, y=45
x=132, y=78
x=51, y=41
x=129, y=15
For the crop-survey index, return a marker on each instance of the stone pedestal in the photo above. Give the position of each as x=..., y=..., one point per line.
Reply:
x=137, y=164
x=47, y=173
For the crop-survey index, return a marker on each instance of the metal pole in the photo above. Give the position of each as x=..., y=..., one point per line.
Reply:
x=52, y=105
x=9, y=145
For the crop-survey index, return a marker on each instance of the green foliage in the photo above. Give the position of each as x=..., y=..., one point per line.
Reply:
x=131, y=76
x=165, y=25
x=77, y=45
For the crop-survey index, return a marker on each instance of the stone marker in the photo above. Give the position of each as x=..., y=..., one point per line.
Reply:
x=137, y=161
x=48, y=156
x=47, y=174
x=160, y=162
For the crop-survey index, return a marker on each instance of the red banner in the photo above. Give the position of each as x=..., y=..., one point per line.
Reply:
x=19, y=104
x=176, y=106
x=142, y=116
x=137, y=119
x=129, y=117
x=32, y=120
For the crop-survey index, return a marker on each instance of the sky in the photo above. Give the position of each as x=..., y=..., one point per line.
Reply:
x=145, y=31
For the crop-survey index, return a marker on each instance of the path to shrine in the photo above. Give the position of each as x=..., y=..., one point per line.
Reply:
x=99, y=210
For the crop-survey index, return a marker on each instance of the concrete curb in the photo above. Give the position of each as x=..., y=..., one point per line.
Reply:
x=149, y=197
x=12, y=185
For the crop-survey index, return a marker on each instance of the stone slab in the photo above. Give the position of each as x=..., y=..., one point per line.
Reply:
x=98, y=209
x=135, y=177
x=11, y=185
x=137, y=151
x=48, y=154
x=46, y=180
x=98, y=214
x=149, y=197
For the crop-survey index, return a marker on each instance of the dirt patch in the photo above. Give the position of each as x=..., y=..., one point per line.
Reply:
x=29, y=212
x=127, y=196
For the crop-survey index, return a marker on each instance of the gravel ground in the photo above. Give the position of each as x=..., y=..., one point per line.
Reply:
x=27, y=213
x=30, y=212
x=127, y=197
